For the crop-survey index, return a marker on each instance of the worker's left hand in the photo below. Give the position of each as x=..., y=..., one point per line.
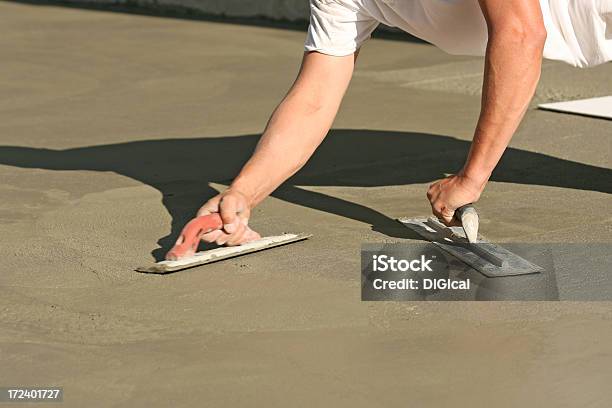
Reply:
x=448, y=194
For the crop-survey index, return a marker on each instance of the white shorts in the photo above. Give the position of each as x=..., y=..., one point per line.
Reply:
x=579, y=31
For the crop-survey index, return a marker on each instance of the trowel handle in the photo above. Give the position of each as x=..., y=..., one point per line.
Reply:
x=188, y=241
x=465, y=209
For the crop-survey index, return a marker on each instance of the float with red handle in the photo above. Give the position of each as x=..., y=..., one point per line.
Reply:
x=184, y=253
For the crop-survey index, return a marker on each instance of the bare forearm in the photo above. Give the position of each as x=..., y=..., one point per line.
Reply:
x=512, y=70
x=297, y=126
x=293, y=133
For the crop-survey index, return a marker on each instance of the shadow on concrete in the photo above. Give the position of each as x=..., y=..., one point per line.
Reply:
x=181, y=169
x=180, y=12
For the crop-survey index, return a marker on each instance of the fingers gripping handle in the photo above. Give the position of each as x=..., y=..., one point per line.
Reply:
x=187, y=243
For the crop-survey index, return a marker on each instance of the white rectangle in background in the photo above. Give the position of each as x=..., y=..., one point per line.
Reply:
x=597, y=107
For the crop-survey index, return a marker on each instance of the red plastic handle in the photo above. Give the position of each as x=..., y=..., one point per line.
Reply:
x=188, y=241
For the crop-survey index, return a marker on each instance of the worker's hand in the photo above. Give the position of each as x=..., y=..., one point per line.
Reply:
x=234, y=209
x=446, y=195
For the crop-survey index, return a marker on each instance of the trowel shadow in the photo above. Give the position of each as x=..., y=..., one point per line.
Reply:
x=182, y=170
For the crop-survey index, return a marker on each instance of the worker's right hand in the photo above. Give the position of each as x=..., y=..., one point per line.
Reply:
x=448, y=194
x=234, y=209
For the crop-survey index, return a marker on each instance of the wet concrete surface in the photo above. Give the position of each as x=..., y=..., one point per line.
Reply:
x=115, y=128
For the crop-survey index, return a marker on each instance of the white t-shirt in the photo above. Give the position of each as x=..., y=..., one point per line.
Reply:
x=579, y=31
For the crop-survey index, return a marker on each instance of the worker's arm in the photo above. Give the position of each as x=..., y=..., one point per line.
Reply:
x=512, y=69
x=295, y=130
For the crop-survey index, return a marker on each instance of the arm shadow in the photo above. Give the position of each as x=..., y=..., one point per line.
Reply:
x=181, y=169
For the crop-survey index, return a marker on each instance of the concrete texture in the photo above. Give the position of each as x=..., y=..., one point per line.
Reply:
x=115, y=128
x=292, y=10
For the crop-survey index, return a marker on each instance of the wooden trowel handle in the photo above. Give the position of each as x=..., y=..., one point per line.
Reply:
x=188, y=241
x=464, y=209
x=469, y=221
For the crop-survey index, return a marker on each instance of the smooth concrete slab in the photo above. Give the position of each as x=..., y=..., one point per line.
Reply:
x=115, y=128
x=272, y=9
